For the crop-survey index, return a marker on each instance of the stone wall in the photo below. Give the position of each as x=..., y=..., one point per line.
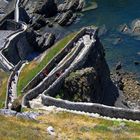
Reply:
x=103, y=110
x=12, y=75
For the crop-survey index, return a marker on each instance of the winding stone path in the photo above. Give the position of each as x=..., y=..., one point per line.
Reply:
x=52, y=82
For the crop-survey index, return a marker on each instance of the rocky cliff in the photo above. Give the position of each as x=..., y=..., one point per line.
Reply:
x=92, y=83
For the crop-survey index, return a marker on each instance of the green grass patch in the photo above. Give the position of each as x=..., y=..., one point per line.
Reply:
x=31, y=69
x=3, y=88
x=66, y=126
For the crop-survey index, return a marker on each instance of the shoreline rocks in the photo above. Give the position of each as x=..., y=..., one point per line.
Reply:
x=129, y=86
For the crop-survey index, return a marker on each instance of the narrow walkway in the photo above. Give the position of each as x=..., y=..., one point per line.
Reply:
x=12, y=85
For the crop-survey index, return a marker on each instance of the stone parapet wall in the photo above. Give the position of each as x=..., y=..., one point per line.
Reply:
x=12, y=75
x=103, y=110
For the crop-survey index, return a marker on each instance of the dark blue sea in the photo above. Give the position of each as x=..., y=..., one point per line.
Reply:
x=109, y=15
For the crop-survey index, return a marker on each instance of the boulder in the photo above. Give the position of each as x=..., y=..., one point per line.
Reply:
x=118, y=66
x=74, y=5
x=51, y=131
x=45, y=41
x=47, y=8
x=65, y=18
x=136, y=26
x=27, y=115
x=39, y=22
x=7, y=112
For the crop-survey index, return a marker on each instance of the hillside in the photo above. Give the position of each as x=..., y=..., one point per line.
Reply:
x=67, y=126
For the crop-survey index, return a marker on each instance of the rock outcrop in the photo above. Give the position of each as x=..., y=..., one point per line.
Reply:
x=47, y=8
x=82, y=85
x=45, y=41
x=74, y=5
x=91, y=84
x=136, y=26
x=66, y=18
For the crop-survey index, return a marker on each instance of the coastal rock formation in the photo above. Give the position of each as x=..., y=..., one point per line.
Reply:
x=39, y=22
x=74, y=5
x=136, y=26
x=40, y=42
x=45, y=41
x=66, y=18
x=47, y=8
x=96, y=59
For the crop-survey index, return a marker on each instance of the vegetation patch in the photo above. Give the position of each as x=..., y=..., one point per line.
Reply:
x=67, y=126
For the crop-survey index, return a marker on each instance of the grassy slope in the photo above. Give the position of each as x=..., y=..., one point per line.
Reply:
x=3, y=85
x=30, y=70
x=67, y=127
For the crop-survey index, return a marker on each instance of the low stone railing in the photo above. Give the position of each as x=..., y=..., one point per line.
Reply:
x=103, y=110
x=10, y=80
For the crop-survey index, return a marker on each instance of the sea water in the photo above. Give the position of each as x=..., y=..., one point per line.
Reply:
x=110, y=15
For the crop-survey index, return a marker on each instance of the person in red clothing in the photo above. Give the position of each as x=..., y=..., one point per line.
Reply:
x=58, y=73
x=45, y=72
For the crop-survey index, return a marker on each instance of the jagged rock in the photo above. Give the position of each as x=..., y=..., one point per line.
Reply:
x=7, y=112
x=47, y=8
x=45, y=41
x=23, y=47
x=74, y=5
x=118, y=66
x=65, y=18
x=27, y=115
x=39, y=22
x=31, y=36
x=124, y=28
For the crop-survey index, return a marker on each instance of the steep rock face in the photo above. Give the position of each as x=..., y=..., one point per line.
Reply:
x=74, y=5
x=47, y=8
x=67, y=11
x=136, y=26
x=92, y=84
x=23, y=48
x=45, y=41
